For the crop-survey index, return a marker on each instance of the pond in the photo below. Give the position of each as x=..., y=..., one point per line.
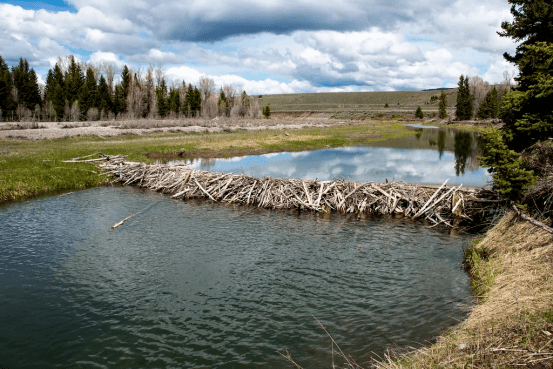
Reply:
x=196, y=284
x=430, y=156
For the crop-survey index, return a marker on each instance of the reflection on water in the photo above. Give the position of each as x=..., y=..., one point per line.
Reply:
x=187, y=284
x=430, y=156
x=463, y=148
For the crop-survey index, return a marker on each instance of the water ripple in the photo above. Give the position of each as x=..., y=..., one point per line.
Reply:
x=192, y=284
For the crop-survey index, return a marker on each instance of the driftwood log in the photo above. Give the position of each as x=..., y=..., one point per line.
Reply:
x=443, y=205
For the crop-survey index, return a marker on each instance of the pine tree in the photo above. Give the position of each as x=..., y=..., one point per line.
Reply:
x=74, y=80
x=509, y=177
x=161, y=99
x=223, y=104
x=418, y=113
x=104, y=98
x=89, y=92
x=266, y=111
x=489, y=108
x=125, y=85
x=174, y=100
x=465, y=101
x=442, y=112
x=26, y=84
x=7, y=104
x=532, y=23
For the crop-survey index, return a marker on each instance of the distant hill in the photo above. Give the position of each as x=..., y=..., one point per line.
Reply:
x=358, y=104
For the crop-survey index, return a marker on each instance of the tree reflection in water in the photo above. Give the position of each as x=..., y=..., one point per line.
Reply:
x=441, y=143
x=463, y=146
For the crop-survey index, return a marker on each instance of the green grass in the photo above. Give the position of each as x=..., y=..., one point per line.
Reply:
x=34, y=168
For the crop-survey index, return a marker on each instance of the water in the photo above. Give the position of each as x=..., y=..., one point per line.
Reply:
x=196, y=284
x=428, y=157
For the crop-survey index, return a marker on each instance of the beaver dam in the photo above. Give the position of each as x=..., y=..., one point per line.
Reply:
x=452, y=206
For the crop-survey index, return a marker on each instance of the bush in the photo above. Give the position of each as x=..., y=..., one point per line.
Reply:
x=386, y=105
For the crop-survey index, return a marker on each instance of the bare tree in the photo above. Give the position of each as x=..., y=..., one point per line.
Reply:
x=508, y=81
x=210, y=108
x=159, y=73
x=75, y=112
x=478, y=89
x=207, y=87
x=109, y=70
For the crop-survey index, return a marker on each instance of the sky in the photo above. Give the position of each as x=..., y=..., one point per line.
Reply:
x=268, y=46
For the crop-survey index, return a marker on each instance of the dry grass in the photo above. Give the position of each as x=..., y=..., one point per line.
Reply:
x=513, y=323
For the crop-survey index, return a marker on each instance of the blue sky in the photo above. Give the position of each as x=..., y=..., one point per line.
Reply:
x=289, y=46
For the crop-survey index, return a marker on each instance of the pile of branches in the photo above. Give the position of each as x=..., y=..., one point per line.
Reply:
x=452, y=206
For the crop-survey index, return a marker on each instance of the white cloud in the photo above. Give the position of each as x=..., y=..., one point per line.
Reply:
x=99, y=57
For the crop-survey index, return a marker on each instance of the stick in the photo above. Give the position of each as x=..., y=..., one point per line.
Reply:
x=531, y=220
x=123, y=221
x=420, y=212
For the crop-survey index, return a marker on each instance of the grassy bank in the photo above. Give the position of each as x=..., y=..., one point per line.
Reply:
x=512, y=325
x=34, y=168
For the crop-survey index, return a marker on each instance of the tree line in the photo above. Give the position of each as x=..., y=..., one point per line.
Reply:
x=76, y=91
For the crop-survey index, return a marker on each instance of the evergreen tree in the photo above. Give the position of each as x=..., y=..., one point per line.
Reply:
x=88, y=93
x=161, y=99
x=174, y=100
x=442, y=112
x=526, y=110
x=119, y=99
x=418, y=113
x=125, y=85
x=223, y=104
x=532, y=23
x=509, y=177
x=266, y=111
x=74, y=80
x=7, y=104
x=465, y=101
x=54, y=91
x=489, y=108
x=26, y=84
x=104, y=98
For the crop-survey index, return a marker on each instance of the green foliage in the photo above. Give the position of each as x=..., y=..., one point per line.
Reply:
x=526, y=110
x=26, y=83
x=174, y=100
x=104, y=97
x=509, y=177
x=89, y=91
x=74, y=80
x=465, y=104
x=442, y=112
x=489, y=108
x=192, y=101
x=532, y=23
x=418, y=113
x=7, y=104
x=223, y=104
x=266, y=111
x=386, y=105
x=161, y=99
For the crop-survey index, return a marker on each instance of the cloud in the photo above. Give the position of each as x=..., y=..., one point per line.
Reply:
x=99, y=57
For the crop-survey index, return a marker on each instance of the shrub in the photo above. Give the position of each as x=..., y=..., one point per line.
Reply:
x=386, y=105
